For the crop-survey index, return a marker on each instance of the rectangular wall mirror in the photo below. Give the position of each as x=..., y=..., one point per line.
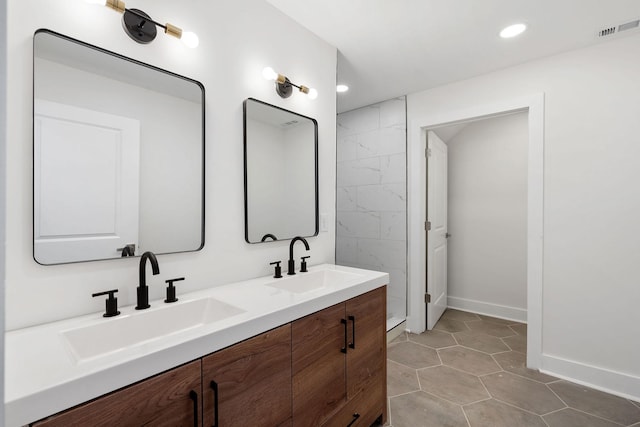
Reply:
x=118, y=155
x=280, y=173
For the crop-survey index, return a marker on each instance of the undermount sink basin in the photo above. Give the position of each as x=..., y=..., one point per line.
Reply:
x=132, y=330
x=311, y=281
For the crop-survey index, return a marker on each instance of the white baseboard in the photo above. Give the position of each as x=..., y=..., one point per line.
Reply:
x=617, y=383
x=489, y=309
x=608, y=381
x=395, y=332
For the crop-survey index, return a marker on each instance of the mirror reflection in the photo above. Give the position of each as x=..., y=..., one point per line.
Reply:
x=281, y=173
x=118, y=155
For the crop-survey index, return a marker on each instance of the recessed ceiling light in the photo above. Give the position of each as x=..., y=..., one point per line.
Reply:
x=342, y=88
x=512, y=31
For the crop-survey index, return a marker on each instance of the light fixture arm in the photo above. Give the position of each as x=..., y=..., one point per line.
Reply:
x=284, y=85
x=168, y=28
x=134, y=23
x=140, y=18
x=117, y=5
x=301, y=88
x=144, y=18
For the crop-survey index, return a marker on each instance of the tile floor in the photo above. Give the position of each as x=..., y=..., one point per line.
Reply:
x=470, y=371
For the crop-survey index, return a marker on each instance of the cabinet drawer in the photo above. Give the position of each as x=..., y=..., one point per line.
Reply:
x=365, y=408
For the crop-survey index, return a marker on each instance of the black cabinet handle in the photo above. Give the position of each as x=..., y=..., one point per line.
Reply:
x=344, y=322
x=353, y=332
x=355, y=418
x=214, y=387
x=194, y=396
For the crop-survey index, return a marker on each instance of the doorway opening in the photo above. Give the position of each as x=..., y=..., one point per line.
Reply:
x=477, y=212
x=533, y=106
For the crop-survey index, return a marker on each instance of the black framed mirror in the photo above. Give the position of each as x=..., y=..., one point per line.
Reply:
x=118, y=155
x=280, y=173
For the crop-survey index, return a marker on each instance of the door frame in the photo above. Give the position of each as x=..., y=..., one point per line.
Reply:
x=416, y=204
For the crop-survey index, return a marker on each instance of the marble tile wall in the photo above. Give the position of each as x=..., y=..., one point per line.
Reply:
x=371, y=201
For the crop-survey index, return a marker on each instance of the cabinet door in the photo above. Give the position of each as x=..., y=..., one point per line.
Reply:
x=366, y=356
x=319, y=378
x=250, y=381
x=170, y=399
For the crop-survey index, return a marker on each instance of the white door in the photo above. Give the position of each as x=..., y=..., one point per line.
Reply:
x=437, y=232
x=86, y=183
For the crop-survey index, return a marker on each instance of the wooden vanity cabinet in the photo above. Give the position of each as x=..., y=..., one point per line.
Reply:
x=249, y=383
x=169, y=399
x=339, y=363
x=325, y=369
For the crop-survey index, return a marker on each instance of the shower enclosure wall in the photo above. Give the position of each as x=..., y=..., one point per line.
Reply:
x=371, y=201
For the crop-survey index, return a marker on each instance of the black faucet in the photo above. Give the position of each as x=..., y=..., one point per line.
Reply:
x=143, y=290
x=292, y=263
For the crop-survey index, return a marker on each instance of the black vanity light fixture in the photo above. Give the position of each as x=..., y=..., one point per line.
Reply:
x=141, y=28
x=284, y=86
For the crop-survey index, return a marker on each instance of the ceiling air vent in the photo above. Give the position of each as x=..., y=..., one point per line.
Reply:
x=607, y=32
x=614, y=29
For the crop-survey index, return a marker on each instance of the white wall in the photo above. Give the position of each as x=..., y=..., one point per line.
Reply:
x=591, y=202
x=3, y=141
x=237, y=40
x=487, y=250
x=372, y=195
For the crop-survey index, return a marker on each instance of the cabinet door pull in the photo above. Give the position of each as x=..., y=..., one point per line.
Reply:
x=355, y=418
x=214, y=387
x=353, y=332
x=194, y=396
x=344, y=322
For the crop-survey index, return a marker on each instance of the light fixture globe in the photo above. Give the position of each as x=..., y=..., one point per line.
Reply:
x=190, y=39
x=269, y=74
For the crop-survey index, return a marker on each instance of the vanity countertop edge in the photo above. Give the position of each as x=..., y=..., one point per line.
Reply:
x=41, y=377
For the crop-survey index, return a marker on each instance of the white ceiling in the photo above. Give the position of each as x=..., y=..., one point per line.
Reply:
x=389, y=48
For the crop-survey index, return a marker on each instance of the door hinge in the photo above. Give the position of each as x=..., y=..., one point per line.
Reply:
x=427, y=225
x=427, y=152
x=427, y=298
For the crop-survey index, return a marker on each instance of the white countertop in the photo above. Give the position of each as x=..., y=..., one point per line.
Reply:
x=42, y=376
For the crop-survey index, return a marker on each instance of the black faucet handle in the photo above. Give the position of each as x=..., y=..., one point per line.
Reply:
x=303, y=264
x=111, y=303
x=171, y=290
x=278, y=270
